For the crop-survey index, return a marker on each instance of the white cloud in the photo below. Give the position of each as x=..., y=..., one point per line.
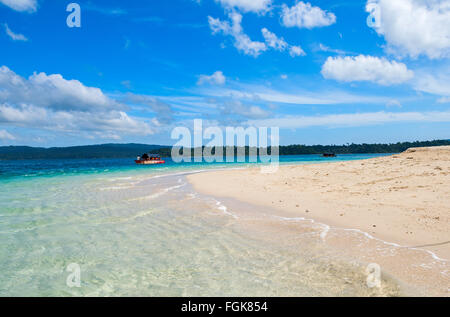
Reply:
x=237, y=109
x=53, y=103
x=393, y=103
x=241, y=40
x=279, y=44
x=296, y=51
x=414, y=27
x=52, y=91
x=72, y=122
x=273, y=41
x=437, y=84
x=216, y=78
x=351, y=120
x=257, y=6
x=304, y=15
x=366, y=68
x=5, y=135
x=163, y=111
x=21, y=5
x=444, y=100
x=15, y=36
x=259, y=93
x=323, y=48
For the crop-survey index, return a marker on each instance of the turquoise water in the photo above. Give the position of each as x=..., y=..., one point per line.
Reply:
x=46, y=168
x=143, y=231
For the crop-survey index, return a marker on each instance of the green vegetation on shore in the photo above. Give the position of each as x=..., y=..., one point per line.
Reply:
x=132, y=150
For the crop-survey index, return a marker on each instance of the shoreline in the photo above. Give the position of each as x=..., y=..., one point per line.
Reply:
x=399, y=201
x=331, y=200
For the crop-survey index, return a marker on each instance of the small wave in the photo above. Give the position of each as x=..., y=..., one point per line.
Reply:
x=224, y=209
x=197, y=172
x=116, y=188
x=327, y=228
x=369, y=236
x=192, y=195
x=119, y=179
x=158, y=194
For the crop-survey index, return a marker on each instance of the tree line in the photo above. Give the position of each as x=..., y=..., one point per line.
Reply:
x=133, y=150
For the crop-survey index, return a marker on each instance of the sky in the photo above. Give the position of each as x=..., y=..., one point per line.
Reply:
x=323, y=71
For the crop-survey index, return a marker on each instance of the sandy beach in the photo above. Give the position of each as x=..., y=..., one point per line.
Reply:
x=403, y=198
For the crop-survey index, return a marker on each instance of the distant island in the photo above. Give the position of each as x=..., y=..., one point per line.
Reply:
x=132, y=150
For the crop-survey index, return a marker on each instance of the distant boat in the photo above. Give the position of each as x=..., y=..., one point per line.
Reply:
x=149, y=159
x=329, y=155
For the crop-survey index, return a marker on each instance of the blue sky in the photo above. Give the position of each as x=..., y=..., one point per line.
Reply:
x=135, y=70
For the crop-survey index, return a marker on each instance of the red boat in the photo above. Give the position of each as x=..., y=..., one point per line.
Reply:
x=151, y=159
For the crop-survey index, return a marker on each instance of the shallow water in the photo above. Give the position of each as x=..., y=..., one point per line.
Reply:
x=146, y=232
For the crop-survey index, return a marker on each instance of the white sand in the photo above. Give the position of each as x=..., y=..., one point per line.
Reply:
x=402, y=198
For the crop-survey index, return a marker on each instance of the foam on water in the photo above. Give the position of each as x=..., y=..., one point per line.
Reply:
x=224, y=209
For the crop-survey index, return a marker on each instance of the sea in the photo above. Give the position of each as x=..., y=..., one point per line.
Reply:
x=109, y=227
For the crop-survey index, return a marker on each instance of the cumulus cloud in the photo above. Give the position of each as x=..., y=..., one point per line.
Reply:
x=241, y=40
x=304, y=15
x=257, y=6
x=51, y=102
x=366, y=68
x=21, y=5
x=216, y=78
x=15, y=36
x=413, y=27
x=52, y=91
x=5, y=135
x=78, y=123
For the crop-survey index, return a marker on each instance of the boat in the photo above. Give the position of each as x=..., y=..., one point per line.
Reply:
x=329, y=155
x=149, y=159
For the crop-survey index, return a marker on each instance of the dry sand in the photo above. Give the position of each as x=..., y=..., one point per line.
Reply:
x=404, y=198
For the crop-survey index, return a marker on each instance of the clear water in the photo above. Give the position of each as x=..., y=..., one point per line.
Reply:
x=143, y=231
